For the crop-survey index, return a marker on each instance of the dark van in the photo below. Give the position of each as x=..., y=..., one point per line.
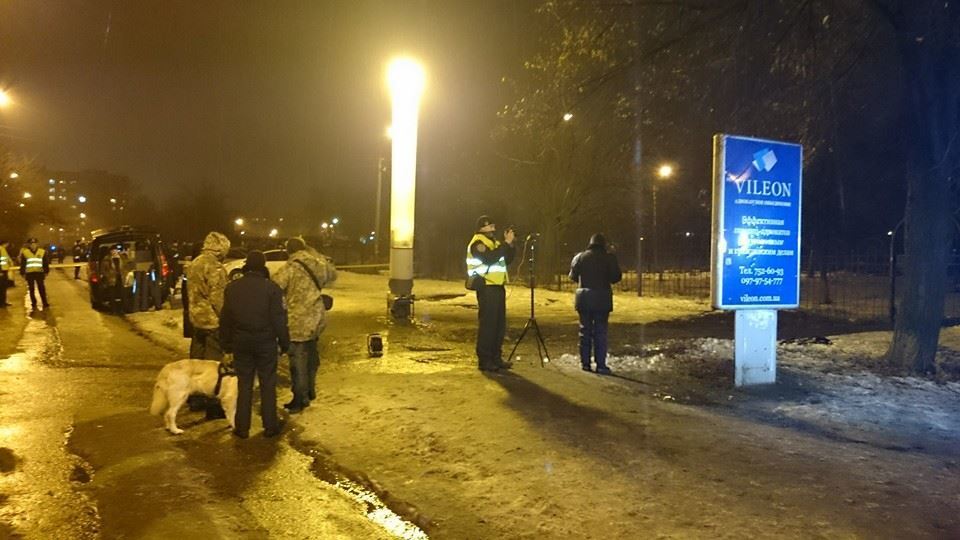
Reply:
x=144, y=267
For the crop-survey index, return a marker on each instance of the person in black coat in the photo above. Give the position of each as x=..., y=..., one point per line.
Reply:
x=594, y=270
x=253, y=323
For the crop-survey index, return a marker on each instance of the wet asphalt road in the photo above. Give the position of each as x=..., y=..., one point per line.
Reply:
x=80, y=457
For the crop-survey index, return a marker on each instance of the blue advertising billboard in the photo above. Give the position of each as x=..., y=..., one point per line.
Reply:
x=755, y=254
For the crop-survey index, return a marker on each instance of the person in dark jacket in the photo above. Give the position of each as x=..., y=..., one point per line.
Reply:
x=594, y=270
x=487, y=261
x=253, y=323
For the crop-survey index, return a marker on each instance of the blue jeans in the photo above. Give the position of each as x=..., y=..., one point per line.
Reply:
x=304, y=361
x=593, y=337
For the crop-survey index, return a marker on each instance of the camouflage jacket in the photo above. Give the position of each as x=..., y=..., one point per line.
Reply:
x=306, y=316
x=206, y=280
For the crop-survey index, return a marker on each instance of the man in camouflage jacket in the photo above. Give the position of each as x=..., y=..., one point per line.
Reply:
x=302, y=278
x=206, y=280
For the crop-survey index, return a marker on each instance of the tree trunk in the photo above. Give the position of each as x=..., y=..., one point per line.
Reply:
x=927, y=244
x=931, y=80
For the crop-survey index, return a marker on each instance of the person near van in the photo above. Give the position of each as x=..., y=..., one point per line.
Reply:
x=79, y=256
x=207, y=279
x=594, y=270
x=5, y=263
x=302, y=279
x=34, y=267
x=253, y=325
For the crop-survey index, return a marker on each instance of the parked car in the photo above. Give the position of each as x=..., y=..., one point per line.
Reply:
x=144, y=251
x=275, y=259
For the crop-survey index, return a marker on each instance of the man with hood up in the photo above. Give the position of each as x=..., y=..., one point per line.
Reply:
x=302, y=279
x=594, y=270
x=206, y=279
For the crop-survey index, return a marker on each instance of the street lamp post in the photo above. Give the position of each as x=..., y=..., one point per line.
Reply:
x=663, y=172
x=406, y=80
x=376, y=223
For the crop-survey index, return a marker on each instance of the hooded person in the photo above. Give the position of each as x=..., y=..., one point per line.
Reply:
x=302, y=280
x=253, y=325
x=594, y=270
x=206, y=279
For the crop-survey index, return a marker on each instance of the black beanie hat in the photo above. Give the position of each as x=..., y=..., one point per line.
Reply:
x=255, y=261
x=597, y=240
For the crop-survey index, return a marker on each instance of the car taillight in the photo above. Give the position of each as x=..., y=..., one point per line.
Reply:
x=94, y=278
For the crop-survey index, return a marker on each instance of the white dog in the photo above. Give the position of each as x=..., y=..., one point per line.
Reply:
x=177, y=380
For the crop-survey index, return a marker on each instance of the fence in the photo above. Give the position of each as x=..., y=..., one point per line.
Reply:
x=855, y=288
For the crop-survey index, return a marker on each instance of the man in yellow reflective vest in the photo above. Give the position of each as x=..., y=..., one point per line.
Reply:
x=34, y=266
x=5, y=264
x=487, y=261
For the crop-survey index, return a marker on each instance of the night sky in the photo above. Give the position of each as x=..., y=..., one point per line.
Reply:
x=262, y=99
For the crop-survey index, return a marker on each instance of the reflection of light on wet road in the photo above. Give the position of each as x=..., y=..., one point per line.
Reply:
x=14, y=363
x=40, y=501
x=378, y=512
x=376, y=509
x=8, y=433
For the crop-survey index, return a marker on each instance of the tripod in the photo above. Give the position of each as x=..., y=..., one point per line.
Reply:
x=532, y=321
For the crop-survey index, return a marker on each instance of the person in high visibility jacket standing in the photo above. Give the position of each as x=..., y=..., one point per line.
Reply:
x=5, y=264
x=487, y=261
x=34, y=266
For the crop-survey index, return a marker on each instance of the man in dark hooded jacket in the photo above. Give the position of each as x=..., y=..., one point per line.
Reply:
x=253, y=324
x=594, y=270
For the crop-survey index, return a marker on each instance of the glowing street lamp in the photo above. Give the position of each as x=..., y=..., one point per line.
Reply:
x=335, y=221
x=406, y=79
x=664, y=172
x=82, y=199
x=83, y=216
x=27, y=195
x=238, y=222
x=14, y=175
x=274, y=233
x=5, y=99
x=567, y=117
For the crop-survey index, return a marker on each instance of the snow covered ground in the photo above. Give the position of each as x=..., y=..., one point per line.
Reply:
x=830, y=385
x=666, y=446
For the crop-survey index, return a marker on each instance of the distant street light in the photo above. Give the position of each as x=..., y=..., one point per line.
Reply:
x=27, y=195
x=274, y=233
x=5, y=99
x=14, y=175
x=406, y=79
x=82, y=199
x=665, y=171
x=324, y=225
x=83, y=216
x=335, y=221
x=238, y=222
x=567, y=117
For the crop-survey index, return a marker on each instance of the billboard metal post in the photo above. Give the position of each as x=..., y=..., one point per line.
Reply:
x=755, y=248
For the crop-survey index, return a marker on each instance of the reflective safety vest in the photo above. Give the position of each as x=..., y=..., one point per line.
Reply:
x=493, y=274
x=4, y=259
x=32, y=262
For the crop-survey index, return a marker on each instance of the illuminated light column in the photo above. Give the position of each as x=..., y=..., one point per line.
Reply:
x=406, y=80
